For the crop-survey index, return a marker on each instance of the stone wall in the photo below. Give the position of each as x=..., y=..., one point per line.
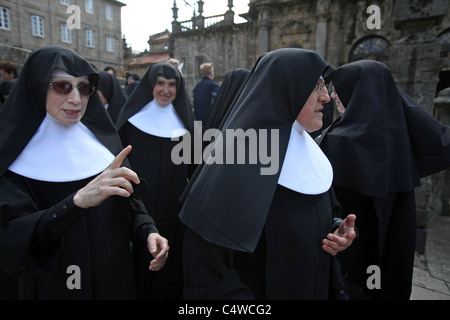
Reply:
x=17, y=55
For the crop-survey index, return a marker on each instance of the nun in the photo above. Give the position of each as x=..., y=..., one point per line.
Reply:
x=229, y=91
x=155, y=117
x=267, y=236
x=379, y=148
x=69, y=205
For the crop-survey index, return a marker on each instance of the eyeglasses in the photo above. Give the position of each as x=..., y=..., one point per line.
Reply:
x=320, y=86
x=65, y=88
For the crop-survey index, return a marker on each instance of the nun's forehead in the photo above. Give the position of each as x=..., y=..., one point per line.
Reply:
x=61, y=73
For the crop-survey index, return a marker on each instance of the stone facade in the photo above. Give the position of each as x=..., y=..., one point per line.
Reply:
x=412, y=37
x=103, y=19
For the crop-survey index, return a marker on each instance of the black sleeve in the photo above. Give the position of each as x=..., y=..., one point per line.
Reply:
x=31, y=238
x=57, y=221
x=142, y=224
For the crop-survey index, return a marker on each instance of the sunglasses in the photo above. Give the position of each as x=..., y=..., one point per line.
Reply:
x=65, y=87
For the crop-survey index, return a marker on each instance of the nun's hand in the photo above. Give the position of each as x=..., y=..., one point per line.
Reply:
x=159, y=248
x=113, y=181
x=342, y=238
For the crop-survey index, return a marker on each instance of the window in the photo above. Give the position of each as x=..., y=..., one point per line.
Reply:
x=108, y=12
x=372, y=47
x=65, y=2
x=4, y=18
x=199, y=60
x=66, y=34
x=90, y=43
x=110, y=43
x=89, y=6
x=37, y=26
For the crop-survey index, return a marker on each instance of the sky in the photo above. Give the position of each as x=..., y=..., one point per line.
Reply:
x=143, y=18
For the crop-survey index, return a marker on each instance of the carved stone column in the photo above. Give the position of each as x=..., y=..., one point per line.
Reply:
x=320, y=46
x=263, y=29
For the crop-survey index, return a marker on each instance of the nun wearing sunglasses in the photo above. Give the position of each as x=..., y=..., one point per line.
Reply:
x=69, y=205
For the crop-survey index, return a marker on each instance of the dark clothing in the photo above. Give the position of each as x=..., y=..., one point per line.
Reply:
x=287, y=264
x=207, y=207
x=5, y=89
x=391, y=244
x=230, y=206
x=379, y=149
x=113, y=93
x=130, y=88
x=46, y=233
x=228, y=93
x=151, y=159
x=289, y=255
x=204, y=93
x=167, y=182
x=42, y=232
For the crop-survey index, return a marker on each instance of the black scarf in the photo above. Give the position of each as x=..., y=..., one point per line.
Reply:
x=113, y=93
x=384, y=142
x=227, y=204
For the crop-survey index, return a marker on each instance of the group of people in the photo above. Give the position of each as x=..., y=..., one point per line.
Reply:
x=94, y=207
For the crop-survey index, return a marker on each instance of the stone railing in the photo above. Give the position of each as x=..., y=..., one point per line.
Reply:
x=200, y=22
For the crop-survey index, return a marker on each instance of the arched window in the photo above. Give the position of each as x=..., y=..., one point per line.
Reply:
x=444, y=40
x=372, y=48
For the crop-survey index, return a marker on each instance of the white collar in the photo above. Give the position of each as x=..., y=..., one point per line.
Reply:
x=160, y=121
x=59, y=153
x=305, y=169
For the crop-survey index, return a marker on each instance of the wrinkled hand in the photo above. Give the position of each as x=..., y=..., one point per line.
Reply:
x=114, y=180
x=159, y=248
x=342, y=238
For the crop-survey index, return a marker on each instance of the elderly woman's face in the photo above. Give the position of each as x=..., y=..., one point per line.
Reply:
x=67, y=98
x=165, y=90
x=339, y=105
x=310, y=117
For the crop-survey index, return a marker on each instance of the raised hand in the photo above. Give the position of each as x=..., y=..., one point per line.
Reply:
x=114, y=180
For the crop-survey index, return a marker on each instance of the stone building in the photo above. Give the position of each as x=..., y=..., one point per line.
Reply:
x=91, y=28
x=412, y=37
x=159, y=52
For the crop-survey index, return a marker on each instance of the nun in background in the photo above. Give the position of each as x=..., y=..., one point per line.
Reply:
x=111, y=94
x=228, y=93
x=281, y=222
x=157, y=111
x=379, y=148
x=67, y=206
x=229, y=90
x=131, y=84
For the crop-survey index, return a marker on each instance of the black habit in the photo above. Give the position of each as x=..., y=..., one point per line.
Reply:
x=151, y=159
x=249, y=237
x=379, y=149
x=113, y=93
x=229, y=90
x=43, y=235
